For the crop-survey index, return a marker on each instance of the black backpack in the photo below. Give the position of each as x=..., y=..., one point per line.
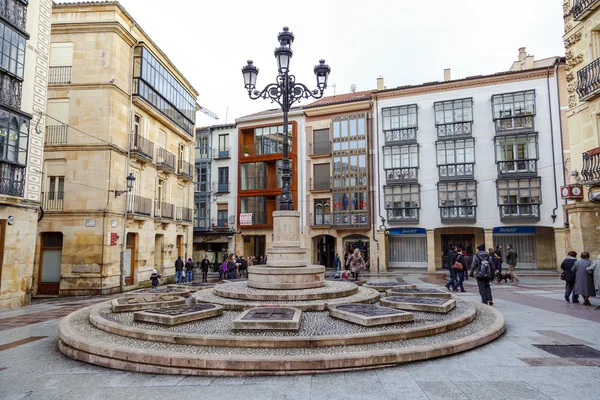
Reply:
x=485, y=269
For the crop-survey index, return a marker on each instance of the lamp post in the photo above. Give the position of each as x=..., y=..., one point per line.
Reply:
x=130, y=179
x=285, y=92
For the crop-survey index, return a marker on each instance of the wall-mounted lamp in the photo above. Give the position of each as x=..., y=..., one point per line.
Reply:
x=130, y=180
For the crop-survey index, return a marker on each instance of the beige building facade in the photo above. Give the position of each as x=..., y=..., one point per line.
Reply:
x=117, y=109
x=582, y=43
x=25, y=30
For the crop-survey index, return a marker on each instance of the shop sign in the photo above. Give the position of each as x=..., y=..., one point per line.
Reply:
x=112, y=238
x=246, y=219
x=571, y=192
x=407, y=231
x=513, y=230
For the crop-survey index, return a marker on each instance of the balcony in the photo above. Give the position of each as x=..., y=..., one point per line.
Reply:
x=141, y=148
x=15, y=12
x=10, y=91
x=320, y=149
x=221, y=187
x=517, y=168
x=590, y=171
x=185, y=171
x=456, y=171
x=320, y=184
x=400, y=135
x=139, y=205
x=222, y=153
x=202, y=220
x=403, y=215
x=164, y=210
x=521, y=212
x=12, y=179
x=588, y=80
x=351, y=220
x=202, y=153
x=59, y=75
x=453, y=130
x=221, y=225
x=183, y=214
x=514, y=124
x=582, y=8
x=458, y=213
x=403, y=174
x=53, y=201
x=56, y=134
x=320, y=220
x=165, y=160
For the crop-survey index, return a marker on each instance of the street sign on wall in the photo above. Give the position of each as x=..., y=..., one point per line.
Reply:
x=246, y=219
x=571, y=192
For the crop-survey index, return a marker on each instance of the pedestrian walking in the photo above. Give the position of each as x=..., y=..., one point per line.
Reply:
x=461, y=271
x=243, y=267
x=481, y=270
x=178, y=270
x=569, y=276
x=154, y=278
x=204, y=265
x=223, y=269
x=356, y=264
x=337, y=266
x=595, y=268
x=511, y=260
x=450, y=266
x=189, y=270
x=499, y=253
x=584, y=281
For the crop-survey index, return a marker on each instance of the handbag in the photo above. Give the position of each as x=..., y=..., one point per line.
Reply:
x=562, y=276
x=458, y=265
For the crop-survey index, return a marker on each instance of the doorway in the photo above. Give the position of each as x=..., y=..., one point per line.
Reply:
x=465, y=242
x=130, y=258
x=180, y=246
x=360, y=242
x=325, y=246
x=50, y=261
x=158, y=253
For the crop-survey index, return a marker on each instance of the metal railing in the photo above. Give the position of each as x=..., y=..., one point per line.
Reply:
x=452, y=171
x=53, y=201
x=139, y=205
x=588, y=79
x=454, y=129
x=56, y=134
x=398, y=215
x=165, y=160
x=221, y=187
x=520, y=211
x=140, y=146
x=401, y=174
x=514, y=124
x=320, y=220
x=183, y=214
x=58, y=75
x=15, y=12
x=517, y=167
x=590, y=171
x=321, y=149
x=461, y=213
x=320, y=183
x=400, y=135
x=222, y=153
x=220, y=224
x=164, y=210
x=12, y=180
x=185, y=170
x=10, y=90
x=582, y=7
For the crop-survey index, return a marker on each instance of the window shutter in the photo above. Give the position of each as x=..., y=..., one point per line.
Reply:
x=58, y=109
x=61, y=55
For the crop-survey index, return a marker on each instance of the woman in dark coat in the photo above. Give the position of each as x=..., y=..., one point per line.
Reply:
x=569, y=276
x=584, y=281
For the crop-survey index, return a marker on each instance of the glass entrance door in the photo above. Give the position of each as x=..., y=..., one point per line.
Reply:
x=51, y=259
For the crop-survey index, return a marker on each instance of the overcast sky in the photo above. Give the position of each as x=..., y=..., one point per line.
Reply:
x=405, y=41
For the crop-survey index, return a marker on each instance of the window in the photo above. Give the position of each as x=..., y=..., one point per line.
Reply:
x=454, y=117
x=253, y=176
x=519, y=198
x=322, y=212
x=14, y=137
x=15, y=11
x=349, y=133
x=137, y=125
x=402, y=202
x=514, y=111
x=321, y=177
x=279, y=166
x=455, y=158
x=223, y=184
x=61, y=54
x=223, y=150
x=269, y=140
x=257, y=206
x=401, y=163
x=457, y=200
x=400, y=123
x=12, y=51
x=517, y=154
x=203, y=177
x=202, y=147
x=222, y=218
x=321, y=144
x=56, y=123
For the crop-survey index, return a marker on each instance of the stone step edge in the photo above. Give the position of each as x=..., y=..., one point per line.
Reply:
x=115, y=328
x=218, y=291
x=121, y=357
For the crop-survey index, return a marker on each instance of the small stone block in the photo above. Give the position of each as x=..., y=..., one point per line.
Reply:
x=269, y=318
x=369, y=314
x=159, y=291
x=192, y=286
x=385, y=286
x=425, y=292
x=179, y=315
x=427, y=304
x=138, y=303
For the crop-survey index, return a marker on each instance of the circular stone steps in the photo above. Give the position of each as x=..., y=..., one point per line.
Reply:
x=331, y=290
x=80, y=340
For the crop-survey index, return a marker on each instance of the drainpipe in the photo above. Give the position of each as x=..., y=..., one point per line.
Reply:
x=562, y=153
x=553, y=216
x=376, y=117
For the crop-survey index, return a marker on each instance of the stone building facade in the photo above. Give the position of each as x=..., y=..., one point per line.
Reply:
x=117, y=109
x=25, y=27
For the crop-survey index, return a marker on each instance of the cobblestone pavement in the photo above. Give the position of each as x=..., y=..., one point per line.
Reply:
x=512, y=367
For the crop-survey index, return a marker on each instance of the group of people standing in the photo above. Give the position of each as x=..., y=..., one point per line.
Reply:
x=235, y=267
x=354, y=264
x=582, y=277
x=189, y=270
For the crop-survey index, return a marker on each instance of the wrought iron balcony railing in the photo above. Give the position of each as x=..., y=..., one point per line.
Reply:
x=320, y=220
x=400, y=135
x=517, y=167
x=403, y=215
x=591, y=167
x=454, y=171
x=15, y=12
x=520, y=211
x=588, y=80
x=12, y=179
x=141, y=147
x=402, y=174
x=164, y=210
x=59, y=75
x=221, y=225
x=139, y=205
x=458, y=213
x=221, y=187
x=320, y=184
x=10, y=90
x=183, y=214
x=320, y=149
x=203, y=153
x=454, y=129
x=518, y=123
x=165, y=160
x=185, y=170
x=222, y=153
x=53, y=201
x=581, y=8
x=56, y=134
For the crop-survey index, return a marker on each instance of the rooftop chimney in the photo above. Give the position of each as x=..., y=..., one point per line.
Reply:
x=522, y=54
x=380, y=83
x=447, y=75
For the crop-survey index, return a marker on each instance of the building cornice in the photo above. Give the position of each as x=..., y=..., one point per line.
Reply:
x=338, y=108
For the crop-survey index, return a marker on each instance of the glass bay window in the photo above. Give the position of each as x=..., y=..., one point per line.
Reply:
x=402, y=202
x=517, y=154
x=457, y=200
x=400, y=123
x=401, y=163
x=519, y=198
x=455, y=158
x=454, y=117
x=257, y=206
x=514, y=112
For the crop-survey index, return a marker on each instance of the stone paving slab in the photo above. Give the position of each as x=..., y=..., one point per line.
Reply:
x=422, y=292
x=269, y=319
x=137, y=303
x=192, y=286
x=178, y=315
x=369, y=314
x=159, y=290
x=385, y=286
x=429, y=304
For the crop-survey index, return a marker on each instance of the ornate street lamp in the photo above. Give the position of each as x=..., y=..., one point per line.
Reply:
x=285, y=92
x=130, y=179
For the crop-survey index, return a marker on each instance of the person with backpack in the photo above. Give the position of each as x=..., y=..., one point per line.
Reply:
x=460, y=271
x=482, y=270
x=204, y=265
x=450, y=266
x=511, y=260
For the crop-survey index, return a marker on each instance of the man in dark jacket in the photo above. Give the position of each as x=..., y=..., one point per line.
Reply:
x=450, y=266
x=204, y=265
x=189, y=270
x=483, y=283
x=178, y=270
x=569, y=276
x=511, y=260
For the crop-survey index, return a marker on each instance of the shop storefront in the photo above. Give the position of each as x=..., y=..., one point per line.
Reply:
x=523, y=240
x=359, y=242
x=215, y=247
x=407, y=247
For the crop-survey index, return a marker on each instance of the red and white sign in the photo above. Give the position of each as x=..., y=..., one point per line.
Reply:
x=111, y=239
x=572, y=192
x=246, y=219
